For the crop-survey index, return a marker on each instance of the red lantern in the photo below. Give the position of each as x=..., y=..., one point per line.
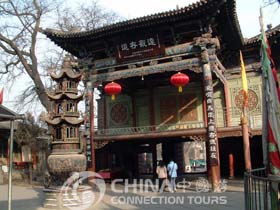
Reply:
x=113, y=89
x=179, y=80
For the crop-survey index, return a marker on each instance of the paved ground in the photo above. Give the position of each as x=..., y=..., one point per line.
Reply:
x=26, y=197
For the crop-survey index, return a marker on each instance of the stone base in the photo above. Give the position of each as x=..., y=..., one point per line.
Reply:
x=59, y=198
x=65, y=164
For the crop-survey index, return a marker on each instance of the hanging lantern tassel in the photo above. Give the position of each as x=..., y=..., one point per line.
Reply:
x=113, y=89
x=180, y=89
x=179, y=79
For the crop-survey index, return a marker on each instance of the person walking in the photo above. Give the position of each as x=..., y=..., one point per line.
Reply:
x=172, y=168
x=162, y=175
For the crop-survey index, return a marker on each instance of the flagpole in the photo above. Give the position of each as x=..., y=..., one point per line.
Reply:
x=244, y=123
x=264, y=108
x=246, y=142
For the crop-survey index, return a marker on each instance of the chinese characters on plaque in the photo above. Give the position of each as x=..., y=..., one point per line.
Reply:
x=138, y=48
x=212, y=132
x=87, y=127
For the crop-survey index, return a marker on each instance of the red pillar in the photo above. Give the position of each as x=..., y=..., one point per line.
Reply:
x=231, y=165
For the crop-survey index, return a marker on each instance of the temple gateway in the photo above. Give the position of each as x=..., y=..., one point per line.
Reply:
x=137, y=114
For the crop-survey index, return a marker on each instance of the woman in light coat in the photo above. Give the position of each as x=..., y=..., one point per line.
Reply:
x=162, y=175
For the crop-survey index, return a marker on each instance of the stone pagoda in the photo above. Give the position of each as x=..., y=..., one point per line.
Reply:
x=66, y=147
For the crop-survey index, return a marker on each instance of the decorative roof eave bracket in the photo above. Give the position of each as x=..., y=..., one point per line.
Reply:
x=193, y=64
x=219, y=70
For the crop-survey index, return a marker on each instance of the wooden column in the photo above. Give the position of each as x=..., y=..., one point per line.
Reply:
x=89, y=108
x=231, y=165
x=211, y=136
x=91, y=100
x=152, y=110
x=154, y=150
x=226, y=90
x=133, y=111
x=104, y=112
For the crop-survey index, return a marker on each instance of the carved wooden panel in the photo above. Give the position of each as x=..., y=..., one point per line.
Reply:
x=187, y=108
x=119, y=113
x=252, y=99
x=168, y=110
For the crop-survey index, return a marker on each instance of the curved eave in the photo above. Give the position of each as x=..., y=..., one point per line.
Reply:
x=194, y=11
x=273, y=33
x=129, y=24
x=232, y=28
x=54, y=121
x=66, y=95
x=66, y=73
x=69, y=120
x=73, y=120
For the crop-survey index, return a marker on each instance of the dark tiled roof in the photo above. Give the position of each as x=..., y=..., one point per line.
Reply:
x=146, y=20
x=201, y=7
x=269, y=34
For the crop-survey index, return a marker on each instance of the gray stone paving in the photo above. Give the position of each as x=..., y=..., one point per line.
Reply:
x=26, y=197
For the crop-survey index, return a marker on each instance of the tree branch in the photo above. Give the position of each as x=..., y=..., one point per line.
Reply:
x=18, y=53
x=11, y=64
x=12, y=52
x=17, y=14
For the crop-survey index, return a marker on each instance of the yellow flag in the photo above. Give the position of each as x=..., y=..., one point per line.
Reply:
x=244, y=81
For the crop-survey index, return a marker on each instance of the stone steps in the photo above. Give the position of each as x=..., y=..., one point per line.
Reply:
x=57, y=199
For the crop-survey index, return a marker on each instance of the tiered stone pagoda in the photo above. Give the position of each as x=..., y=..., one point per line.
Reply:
x=66, y=149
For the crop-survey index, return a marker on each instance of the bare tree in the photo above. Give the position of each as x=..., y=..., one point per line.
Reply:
x=85, y=17
x=270, y=2
x=21, y=22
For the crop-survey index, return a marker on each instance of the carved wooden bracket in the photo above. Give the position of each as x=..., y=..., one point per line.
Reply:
x=100, y=144
x=198, y=138
x=206, y=40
